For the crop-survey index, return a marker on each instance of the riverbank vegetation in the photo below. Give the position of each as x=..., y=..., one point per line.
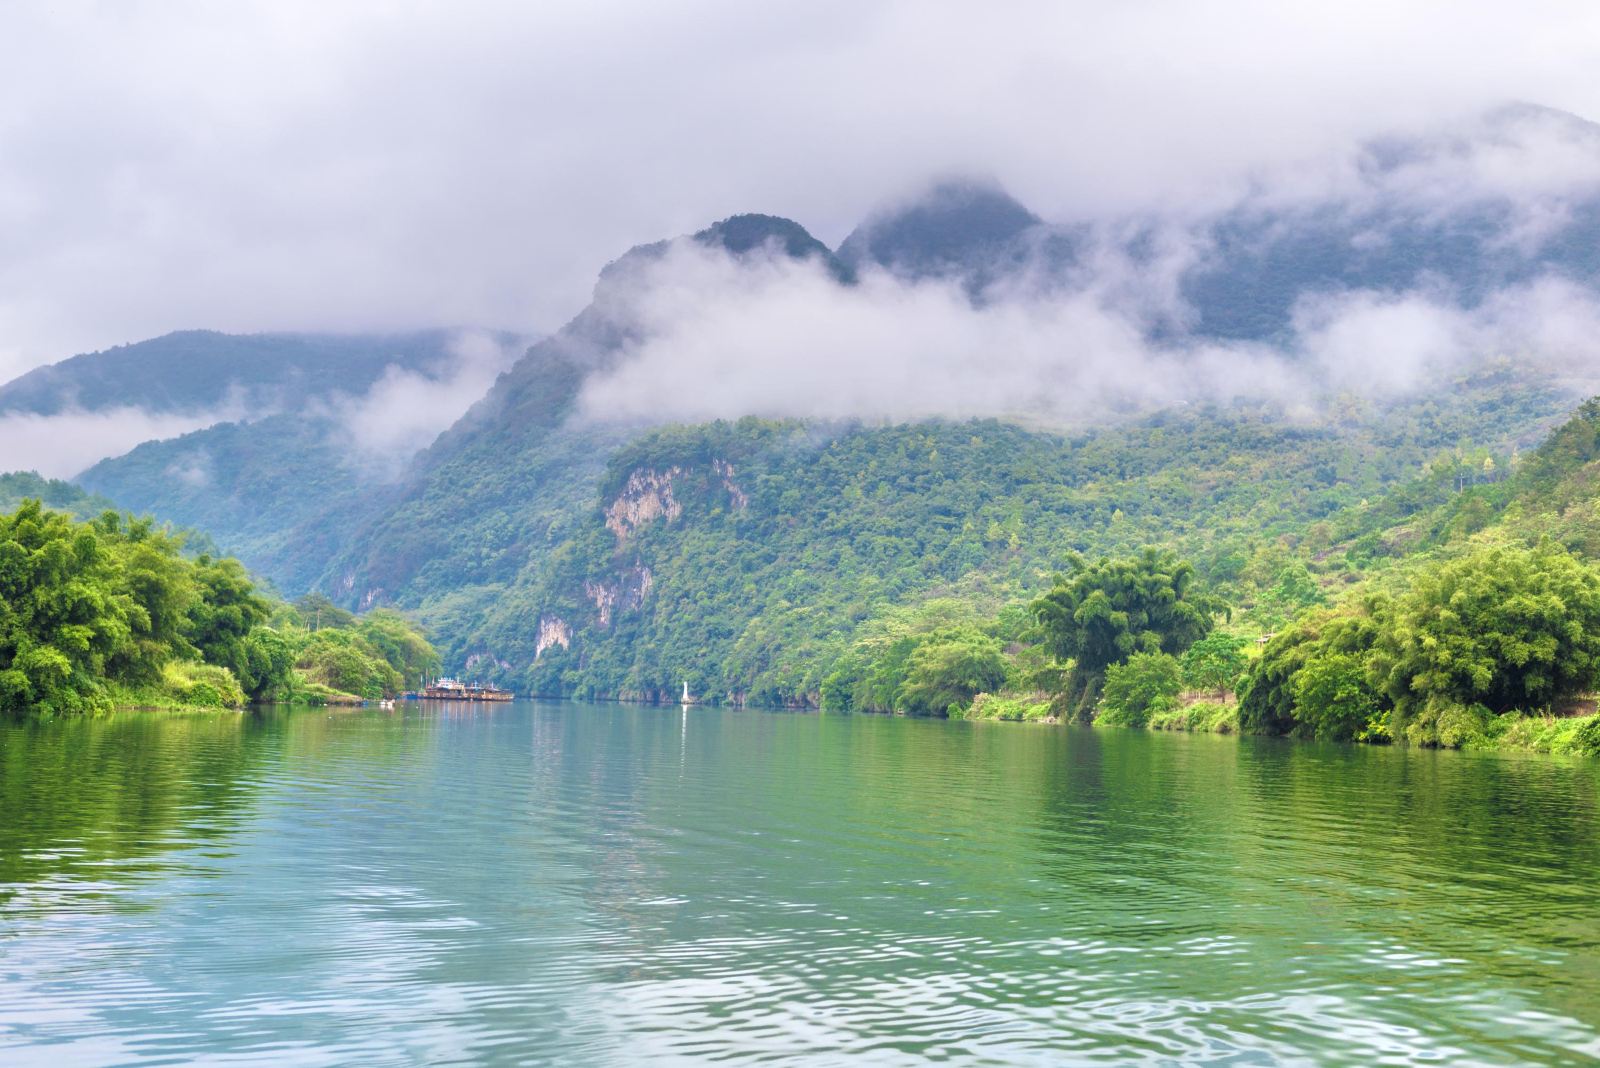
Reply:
x=1486, y=634
x=114, y=612
x=1494, y=646
x=754, y=558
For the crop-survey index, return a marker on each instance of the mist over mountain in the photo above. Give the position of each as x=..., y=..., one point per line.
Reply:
x=198, y=370
x=375, y=394
x=1423, y=289
x=971, y=231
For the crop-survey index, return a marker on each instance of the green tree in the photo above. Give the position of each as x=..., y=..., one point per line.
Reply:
x=1100, y=614
x=225, y=614
x=399, y=642
x=1502, y=628
x=1334, y=699
x=949, y=668
x=1140, y=687
x=62, y=615
x=1310, y=680
x=1216, y=663
x=269, y=664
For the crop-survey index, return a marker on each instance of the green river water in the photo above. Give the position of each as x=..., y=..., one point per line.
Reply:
x=601, y=885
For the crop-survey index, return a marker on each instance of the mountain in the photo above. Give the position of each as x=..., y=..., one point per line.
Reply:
x=288, y=467
x=1511, y=196
x=745, y=557
x=514, y=474
x=560, y=551
x=52, y=493
x=971, y=232
x=202, y=370
x=280, y=491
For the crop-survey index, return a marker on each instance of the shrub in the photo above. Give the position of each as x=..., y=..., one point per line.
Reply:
x=1146, y=684
x=1215, y=663
x=1203, y=716
x=1501, y=628
x=1011, y=707
x=190, y=682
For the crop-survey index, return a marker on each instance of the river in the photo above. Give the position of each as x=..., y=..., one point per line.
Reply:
x=602, y=885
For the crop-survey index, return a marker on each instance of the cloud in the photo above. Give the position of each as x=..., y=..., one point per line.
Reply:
x=64, y=444
x=193, y=470
x=291, y=164
x=776, y=337
x=405, y=410
x=380, y=428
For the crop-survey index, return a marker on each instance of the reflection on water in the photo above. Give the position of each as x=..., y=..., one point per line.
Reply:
x=601, y=884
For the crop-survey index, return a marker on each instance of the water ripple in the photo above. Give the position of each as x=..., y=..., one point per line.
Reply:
x=605, y=885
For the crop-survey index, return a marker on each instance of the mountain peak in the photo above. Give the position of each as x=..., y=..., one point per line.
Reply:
x=742, y=234
x=952, y=226
x=737, y=235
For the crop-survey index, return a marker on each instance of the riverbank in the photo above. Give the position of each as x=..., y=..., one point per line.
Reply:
x=1512, y=732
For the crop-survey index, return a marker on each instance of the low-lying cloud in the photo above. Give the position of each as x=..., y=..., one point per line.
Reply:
x=776, y=337
x=405, y=410
x=66, y=443
x=378, y=429
x=294, y=164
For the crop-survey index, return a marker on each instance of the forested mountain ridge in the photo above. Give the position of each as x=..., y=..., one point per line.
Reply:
x=281, y=489
x=199, y=370
x=53, y=493
x=745, y=558
x=517, y=535
x=515, y=472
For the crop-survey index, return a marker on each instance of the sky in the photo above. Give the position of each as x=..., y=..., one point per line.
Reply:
x=354, y=166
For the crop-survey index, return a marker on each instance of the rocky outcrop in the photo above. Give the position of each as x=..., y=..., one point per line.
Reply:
x=482, y=661
x=553, y=631
x=645, y=497
x=627, y=594
x=724, y=470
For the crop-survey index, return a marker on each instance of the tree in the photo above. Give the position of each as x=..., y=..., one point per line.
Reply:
x=269, y=664
x=1146, y=683
x=1334, y=699
x=1310, y=680
x=1502, y=628
x=400, y=643
x=949, y=668
x=1215, y=662
x=62, y=615
x=225, y=614
x=1267, y=697
x=1102, y=613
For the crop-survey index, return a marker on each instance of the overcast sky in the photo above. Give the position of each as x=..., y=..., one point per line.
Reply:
x=289, y=165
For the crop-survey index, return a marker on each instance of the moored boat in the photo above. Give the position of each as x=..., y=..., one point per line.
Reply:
x=448, y=689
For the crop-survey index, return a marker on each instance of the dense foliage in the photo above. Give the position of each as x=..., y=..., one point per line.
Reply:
x=1215, y=663
x=763, y=552
x=1139, y=687
x=1102, y=613
x=113, y=612
x=370, y=656
x=1497, y=629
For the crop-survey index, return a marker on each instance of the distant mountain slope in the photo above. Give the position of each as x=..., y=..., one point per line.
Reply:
x=279, y=492
x=53, y=493
x=510, y=478
x=280, y=485
x=971, y=233
x=1506, y=198
x=1551, y=492
x=569, y=554
x=956, y=228
x=743, y=557
x=199, y=370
